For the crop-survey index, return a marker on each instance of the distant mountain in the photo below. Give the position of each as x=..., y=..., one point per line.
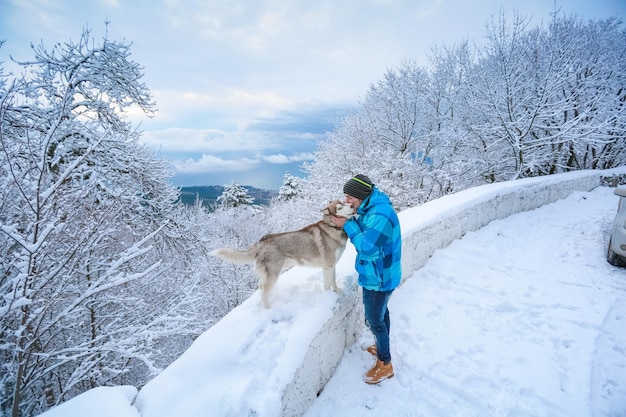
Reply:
x=209, y=193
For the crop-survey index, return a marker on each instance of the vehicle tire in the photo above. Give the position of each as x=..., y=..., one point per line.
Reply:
x=613, y=258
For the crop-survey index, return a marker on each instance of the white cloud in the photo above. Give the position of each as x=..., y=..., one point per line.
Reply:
x=207, y=163
x=284, y=159
x=206, y=140
x=210, y=163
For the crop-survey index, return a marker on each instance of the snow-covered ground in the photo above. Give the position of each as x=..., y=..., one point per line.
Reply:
x=523, y=317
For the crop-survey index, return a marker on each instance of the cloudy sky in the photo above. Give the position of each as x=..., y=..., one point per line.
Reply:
x=244, y=89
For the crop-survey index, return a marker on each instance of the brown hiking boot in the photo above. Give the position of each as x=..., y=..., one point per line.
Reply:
x=378, y=373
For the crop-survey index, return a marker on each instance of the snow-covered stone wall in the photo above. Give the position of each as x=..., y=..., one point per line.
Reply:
x=437, y=223
x=274, y=362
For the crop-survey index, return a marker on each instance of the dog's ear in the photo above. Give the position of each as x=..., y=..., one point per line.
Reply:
x=325, y=210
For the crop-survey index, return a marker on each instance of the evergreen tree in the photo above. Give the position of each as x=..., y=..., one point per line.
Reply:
x=234, y=195
x=291, y=188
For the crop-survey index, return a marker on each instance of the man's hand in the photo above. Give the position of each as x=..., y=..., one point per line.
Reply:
x=338, y=220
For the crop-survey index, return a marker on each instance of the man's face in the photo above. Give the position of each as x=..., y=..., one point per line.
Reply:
x=352, y=200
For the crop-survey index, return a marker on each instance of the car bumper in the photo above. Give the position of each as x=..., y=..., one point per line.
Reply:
x=618, y=238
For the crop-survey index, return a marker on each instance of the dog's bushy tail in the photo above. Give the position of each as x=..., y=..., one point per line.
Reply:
x=234, y=256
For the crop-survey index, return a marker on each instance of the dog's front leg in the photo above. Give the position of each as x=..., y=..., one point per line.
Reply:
x=330, y=279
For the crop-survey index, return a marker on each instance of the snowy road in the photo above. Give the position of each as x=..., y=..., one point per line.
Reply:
x=522, y=318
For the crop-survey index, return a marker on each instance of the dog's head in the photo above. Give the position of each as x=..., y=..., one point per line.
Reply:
x=338, y=208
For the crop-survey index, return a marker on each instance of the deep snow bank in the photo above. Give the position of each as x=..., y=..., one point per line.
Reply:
x=99, y=402
x=275, y=362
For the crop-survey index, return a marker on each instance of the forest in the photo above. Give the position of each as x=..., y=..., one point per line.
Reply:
x=105, y=278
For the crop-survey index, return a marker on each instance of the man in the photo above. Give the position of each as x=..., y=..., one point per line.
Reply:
x=375, y=233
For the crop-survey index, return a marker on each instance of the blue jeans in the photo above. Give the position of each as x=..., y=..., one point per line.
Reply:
x=377, y=319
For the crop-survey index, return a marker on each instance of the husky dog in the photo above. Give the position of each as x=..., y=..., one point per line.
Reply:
x=317, y=245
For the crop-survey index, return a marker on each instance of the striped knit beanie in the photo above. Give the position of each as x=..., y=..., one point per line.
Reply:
x=359, y=187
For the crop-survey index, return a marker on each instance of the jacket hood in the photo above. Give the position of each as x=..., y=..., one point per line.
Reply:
x=375, y=198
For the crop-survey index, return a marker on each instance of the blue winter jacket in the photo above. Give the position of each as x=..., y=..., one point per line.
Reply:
x=375, y=234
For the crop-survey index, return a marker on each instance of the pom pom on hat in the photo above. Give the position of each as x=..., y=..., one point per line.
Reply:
x=359, y=187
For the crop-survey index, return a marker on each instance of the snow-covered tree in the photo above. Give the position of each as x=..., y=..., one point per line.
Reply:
x=234, y=195
x=85, y=222
x=532, y=101
x=291, y=188
x=390, y=139
x=545, y=101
